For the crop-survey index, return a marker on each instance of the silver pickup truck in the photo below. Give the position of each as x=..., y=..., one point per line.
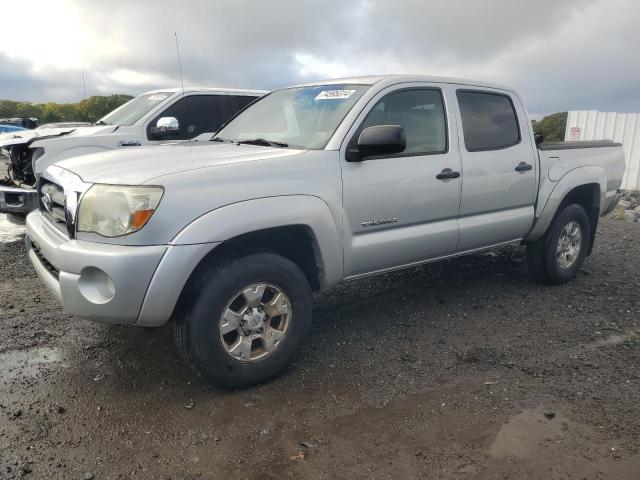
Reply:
x=307, y=187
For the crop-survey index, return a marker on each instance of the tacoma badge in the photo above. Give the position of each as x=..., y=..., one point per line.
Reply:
x=382, y=221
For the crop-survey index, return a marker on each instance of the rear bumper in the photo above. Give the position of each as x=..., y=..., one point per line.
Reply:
x=18, y=201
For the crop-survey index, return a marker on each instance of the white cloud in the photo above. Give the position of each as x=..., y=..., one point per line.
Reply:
x=566, y=54
x=125, y=76
x=310, y=66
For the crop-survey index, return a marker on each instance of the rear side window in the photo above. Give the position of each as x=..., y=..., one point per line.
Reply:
x=489, y=121
x=420, y=112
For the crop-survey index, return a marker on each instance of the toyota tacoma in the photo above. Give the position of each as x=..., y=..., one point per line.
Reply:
x=307, y=187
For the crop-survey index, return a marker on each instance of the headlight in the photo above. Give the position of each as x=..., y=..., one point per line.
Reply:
x=113, y=211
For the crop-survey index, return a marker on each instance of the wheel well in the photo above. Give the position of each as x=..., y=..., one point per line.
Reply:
x=295, y=242
x=588, y=196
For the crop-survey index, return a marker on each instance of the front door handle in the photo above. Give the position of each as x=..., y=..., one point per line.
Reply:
x=447, y=173
x=523, y=167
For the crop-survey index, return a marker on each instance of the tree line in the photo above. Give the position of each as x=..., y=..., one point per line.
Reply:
x=88, y=110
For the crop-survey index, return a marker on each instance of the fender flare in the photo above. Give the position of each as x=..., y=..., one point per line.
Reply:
x=574, y=178
x=198, y=239
x=230, y=221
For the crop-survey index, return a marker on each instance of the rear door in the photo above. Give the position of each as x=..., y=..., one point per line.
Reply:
x=397, y=212
x=500, y=171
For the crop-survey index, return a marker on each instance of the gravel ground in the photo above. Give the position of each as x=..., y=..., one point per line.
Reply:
x=465, y=369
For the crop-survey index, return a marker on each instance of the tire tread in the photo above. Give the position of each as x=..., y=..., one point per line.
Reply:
x=541, y=253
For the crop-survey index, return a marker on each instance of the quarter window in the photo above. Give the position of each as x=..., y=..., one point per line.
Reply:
x=489, y=121
x=420, y=112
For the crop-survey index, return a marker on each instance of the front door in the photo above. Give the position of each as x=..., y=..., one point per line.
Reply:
x=401, y=209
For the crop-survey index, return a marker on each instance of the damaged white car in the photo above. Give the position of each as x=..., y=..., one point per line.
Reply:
x=160, y=116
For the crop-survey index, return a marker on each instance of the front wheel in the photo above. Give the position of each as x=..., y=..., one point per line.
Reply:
x=557, y=257
x=247, y=318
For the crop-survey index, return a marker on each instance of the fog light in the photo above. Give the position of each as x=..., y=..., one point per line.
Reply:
x=96, y=286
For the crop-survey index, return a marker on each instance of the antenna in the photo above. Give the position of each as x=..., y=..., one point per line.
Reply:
x=186, y=111
x=175, y=34
x=84, y=87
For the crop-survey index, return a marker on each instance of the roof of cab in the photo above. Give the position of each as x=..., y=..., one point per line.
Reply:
x=406, y=78
x=234, y=91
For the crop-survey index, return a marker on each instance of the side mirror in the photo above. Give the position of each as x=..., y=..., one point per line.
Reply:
x=538, y=137
x=166, y=127
x=378, y=140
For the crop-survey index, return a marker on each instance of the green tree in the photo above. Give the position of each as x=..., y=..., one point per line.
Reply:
x=7, y=108
x=552, y=127
x=25, y=109
x=50, y=112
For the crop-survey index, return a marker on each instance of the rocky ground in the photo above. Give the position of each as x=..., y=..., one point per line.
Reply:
x=628, y=208
x=465, y=369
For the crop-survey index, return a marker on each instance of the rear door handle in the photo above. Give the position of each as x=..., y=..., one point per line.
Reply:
x=523, y=167
x=447, y=173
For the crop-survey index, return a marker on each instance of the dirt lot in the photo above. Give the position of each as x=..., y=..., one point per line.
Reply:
x=461, y=370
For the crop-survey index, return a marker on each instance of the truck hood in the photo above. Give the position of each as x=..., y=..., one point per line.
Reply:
x=28, y=136
x=146, y=164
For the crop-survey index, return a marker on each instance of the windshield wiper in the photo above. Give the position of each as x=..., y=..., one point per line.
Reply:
x=263, y=142
x=221, y=140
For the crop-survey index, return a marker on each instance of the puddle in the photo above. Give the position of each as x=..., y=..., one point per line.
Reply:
x=9, y=231
x=29, y=363
x=524, y=435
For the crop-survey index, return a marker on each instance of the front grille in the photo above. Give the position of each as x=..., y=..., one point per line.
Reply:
x=21, y=170
x=47, y=264
x=52, y=204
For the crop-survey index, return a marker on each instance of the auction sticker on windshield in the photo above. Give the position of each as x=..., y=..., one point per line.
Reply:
x=334, y=94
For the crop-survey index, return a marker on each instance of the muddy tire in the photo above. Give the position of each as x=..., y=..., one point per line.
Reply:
x=557, y=257
x=245, y=321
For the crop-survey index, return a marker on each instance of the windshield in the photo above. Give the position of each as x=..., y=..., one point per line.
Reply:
x=132, y=111
x=304, y=117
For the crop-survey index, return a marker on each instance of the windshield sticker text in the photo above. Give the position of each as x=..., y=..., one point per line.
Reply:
x=334, y=94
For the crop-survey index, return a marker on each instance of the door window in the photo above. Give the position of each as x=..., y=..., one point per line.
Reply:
x=489, y=121
x=197, y=114
x=420, y=112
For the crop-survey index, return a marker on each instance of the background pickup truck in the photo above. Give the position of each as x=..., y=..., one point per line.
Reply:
x=151, y=118
x=307, y=187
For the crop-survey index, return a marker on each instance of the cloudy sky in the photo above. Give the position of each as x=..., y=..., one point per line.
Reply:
x=561, y=54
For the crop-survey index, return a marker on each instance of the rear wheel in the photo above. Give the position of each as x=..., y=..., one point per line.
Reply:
x=557, y=257
x=246, y=320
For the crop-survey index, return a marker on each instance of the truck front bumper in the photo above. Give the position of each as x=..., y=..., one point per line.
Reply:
x=92, y=280
x=111, y=283
x=17, y=201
